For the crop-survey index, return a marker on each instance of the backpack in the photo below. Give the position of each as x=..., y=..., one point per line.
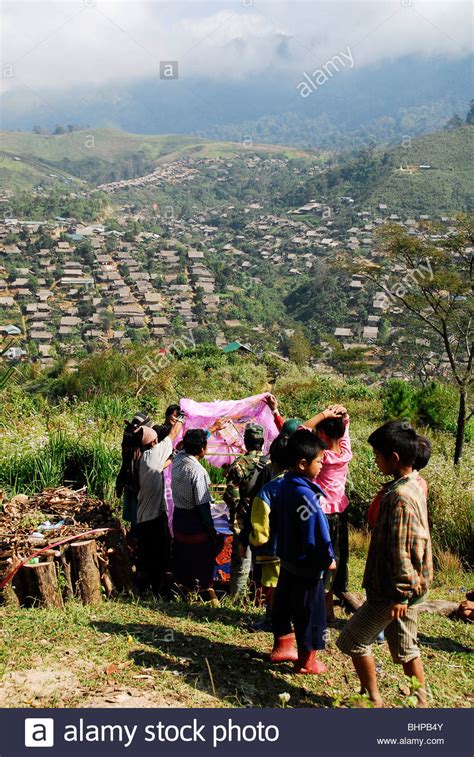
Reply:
x=131, y=454
x=248, y=484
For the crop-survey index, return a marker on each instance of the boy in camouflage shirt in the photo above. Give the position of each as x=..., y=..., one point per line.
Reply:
x=241, y=478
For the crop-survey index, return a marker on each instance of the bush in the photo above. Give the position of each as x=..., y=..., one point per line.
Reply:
x=399, y=401
x=438, y=406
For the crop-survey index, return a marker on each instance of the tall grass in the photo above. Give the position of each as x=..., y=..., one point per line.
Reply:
x=61, y=460
x=76, y=440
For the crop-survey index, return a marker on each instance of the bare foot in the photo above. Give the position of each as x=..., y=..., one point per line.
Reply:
x=378, y=702
x=420, y=694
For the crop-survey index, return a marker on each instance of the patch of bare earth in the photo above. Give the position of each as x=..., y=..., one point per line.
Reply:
x=57, y=686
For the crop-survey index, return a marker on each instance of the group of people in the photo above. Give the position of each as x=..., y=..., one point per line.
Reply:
x=290, y=537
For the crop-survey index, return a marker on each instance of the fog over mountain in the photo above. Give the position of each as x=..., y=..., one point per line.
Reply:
x=238, y=66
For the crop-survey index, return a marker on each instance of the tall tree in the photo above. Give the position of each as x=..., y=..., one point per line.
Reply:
x=299, y=348
x=433, y=288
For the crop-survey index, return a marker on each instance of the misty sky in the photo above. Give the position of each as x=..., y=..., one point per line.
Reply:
x=56, y=45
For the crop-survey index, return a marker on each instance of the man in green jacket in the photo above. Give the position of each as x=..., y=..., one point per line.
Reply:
x=241, y=478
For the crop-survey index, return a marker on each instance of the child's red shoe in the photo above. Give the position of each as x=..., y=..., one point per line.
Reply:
x=307, y=663
x=284, y=649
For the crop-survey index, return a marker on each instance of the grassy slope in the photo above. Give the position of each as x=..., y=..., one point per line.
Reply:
x=445, y=188
x=149, y=654
x=41, y=154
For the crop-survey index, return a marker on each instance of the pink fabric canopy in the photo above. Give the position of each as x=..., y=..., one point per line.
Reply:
x=225, y=445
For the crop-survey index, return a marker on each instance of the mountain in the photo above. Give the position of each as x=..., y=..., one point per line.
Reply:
x=380, y=102
x=429, y=175
x=102, y=155
x=446, y=186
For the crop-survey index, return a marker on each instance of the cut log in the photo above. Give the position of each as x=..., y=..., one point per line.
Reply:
x=8, y=595
x=105, y=577
x=439, y=607
x=65, y=572
x=120, y=564
x=85, y=571
x=14, y=593
x=350, y=601
x=41, y=585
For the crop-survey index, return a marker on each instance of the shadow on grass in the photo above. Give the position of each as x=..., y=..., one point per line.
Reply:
x=239, y=676
x=443, y=644
x=231, y=615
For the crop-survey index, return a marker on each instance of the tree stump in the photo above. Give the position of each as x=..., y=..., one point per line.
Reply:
x=85, y=571
x=65, y=572
x=41, y=585
x=8, y=595
x=105, y=577
x=120, y=564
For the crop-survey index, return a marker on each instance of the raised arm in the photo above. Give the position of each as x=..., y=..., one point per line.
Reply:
x=332, y=411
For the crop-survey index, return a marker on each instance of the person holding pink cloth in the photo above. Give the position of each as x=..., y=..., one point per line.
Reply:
x=332, y=427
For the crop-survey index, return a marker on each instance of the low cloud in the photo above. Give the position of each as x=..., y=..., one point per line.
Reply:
x=57, y=45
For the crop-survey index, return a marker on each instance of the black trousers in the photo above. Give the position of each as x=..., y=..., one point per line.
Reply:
x=153, y=551
x=337, y=580
x=300, y=601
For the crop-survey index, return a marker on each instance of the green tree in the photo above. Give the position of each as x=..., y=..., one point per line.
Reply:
x=434, y=290
x=399, y=401
x=454, y=123
x=299, y=348
x=348, y=362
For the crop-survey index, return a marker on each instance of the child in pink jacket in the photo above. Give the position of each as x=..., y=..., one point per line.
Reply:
x=332, y=427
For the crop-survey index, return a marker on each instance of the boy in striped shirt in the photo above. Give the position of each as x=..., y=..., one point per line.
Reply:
x=399, y=565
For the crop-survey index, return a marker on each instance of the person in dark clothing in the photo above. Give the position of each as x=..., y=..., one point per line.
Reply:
x=172, y=413
x=304, y=547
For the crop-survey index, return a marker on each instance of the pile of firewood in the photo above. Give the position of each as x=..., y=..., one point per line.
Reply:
x=47, y=539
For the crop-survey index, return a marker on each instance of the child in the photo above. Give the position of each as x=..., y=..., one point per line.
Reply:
x=333, y=430
x=262, y=541
x=421, y=461
x=399, y=567
x=304, y=548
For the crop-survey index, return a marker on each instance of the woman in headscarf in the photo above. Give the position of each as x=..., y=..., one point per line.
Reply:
x=195, y=538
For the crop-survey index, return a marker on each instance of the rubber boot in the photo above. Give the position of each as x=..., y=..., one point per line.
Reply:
x=308, y=664
x=284, y=649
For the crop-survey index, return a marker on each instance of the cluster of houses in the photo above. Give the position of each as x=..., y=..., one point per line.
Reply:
x=170, y=173
x=155, y=286
x=112, y=298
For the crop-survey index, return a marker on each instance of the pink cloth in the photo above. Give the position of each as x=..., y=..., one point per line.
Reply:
x=333, y=476
x=225, y=445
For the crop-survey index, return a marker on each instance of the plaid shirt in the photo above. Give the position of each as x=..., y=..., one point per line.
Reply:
x=190, y=483
x=399, y=564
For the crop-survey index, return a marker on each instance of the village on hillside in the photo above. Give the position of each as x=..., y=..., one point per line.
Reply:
x=95, y=285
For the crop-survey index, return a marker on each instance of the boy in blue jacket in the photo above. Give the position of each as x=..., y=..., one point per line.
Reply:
x=304, y=547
